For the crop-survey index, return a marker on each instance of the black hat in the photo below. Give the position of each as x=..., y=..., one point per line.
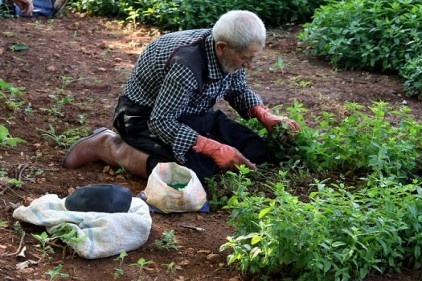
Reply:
x=107, y=198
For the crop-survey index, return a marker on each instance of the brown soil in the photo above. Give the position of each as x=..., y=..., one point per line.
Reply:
x=98, y=54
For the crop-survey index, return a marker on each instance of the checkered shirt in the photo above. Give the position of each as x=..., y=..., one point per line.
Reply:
x=171, y=92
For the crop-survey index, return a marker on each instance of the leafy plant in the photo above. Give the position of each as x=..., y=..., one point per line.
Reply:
x=3, y=223
x=369, y=34
x=412, y=76
x=141, y=264
x=361, y=144
x=43, y=246
x=11, y=95
x=6, y=139
x=186, y=14
x=172, y=267
x=279, y=65
x=119, y=271
x=18, y=47
x=15, y=182
x=167, y=241
x=56, y=273
x=337, y=235
x=67, y=138
x=68, y=234
x=59, y=103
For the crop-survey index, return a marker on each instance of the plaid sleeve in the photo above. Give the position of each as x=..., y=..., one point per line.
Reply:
x=240, y=96
x=178, y=85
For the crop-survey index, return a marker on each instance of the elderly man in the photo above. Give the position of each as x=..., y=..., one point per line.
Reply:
x=166, y=112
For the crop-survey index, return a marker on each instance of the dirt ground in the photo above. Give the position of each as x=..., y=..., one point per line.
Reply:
x=90, y=59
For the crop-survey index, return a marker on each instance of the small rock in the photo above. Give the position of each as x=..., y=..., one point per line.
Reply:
x=3, y=249
x=70, y=190
x=51, y=68
x=213, y=257
x=28, y=200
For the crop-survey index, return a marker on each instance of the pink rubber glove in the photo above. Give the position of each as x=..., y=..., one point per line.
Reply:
x=269, y=120
x=225, y=156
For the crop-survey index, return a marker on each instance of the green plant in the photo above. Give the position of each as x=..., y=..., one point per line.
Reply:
x=6, y=139
x=15, y=182
x=64, y=81
x=17, y=228
x=43, y=246
x=56, y=273
x=337, y=235
x=141, y=264
x=121, y=170
x=279, y=65
x=172, y=267
x=11, y=95
x=167, y=241
x=379, y=35
x=18, y=47
x=361, y=144
x=67, y=233
x=67, y=138
x=59, y=103
x=412, y=76
x=185, y=14
x=3, y=223
x=119, y=271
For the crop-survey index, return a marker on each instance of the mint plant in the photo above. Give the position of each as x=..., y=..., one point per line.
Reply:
x=379, y=35
x=337, y=235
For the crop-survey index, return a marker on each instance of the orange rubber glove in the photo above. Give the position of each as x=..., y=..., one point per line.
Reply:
x=225, y=156
x=269, y=120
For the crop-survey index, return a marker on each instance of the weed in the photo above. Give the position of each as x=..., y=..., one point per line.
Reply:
x=141, y=264
x=57, y=107
x=82, y=119
x=121, y=170
x=17, y=228
x=11, y=95
x=56, y=273
x=67, y=233
x=119, y=271
x=65, y=139
x=15, y=183
x=6, y=139
x=3, y=223
x=172, y=267
x=43, y=246
x=279, y=65
x=167, y=241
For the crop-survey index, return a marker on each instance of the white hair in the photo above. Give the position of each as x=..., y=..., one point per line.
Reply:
x=239, y=29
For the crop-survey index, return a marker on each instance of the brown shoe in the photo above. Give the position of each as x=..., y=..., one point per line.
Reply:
x=86, y=150
x=107, y=146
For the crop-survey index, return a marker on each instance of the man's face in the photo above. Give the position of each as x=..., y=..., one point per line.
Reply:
x=232, y=60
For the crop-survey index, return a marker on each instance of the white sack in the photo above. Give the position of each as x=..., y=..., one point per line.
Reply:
x=107, y=234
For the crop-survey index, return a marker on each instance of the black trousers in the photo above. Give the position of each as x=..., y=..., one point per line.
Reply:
x=130, y=120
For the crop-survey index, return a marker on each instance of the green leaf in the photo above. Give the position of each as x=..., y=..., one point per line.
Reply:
x=263, y=212
x=255, y=240
x=19, y=47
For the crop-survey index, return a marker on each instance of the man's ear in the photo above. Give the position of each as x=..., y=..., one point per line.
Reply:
x=220, y=47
